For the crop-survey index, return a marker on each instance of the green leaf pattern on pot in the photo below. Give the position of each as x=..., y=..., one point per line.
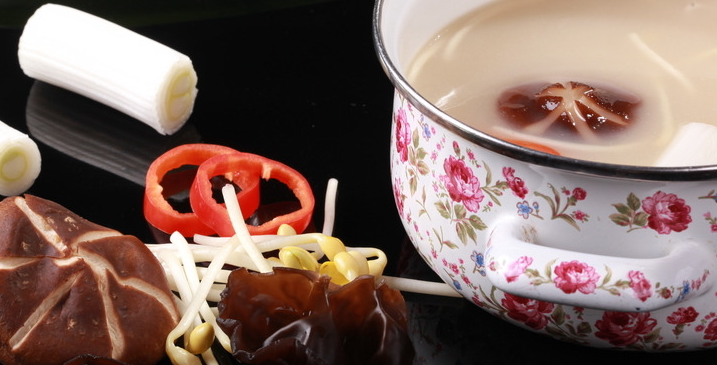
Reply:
x=560, y=211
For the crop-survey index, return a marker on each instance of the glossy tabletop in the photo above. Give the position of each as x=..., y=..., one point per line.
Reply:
x=298, y=82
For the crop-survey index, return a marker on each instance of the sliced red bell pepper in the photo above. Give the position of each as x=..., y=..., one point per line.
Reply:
x=160, y=213
x=216, y=216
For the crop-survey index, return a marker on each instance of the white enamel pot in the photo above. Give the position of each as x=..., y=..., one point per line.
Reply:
x=596, y=254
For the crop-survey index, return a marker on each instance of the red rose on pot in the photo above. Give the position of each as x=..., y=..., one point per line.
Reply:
x=516, y=184
x=683, y=315
x=533, y=313
x=403, y=135
x=579, y=193
x=462, y=185
x=572, y=276
x=667, y=212
x=580, y=215
x=711, y=331
x=624, y=328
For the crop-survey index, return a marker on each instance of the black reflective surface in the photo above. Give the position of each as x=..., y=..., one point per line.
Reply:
x=297, y=83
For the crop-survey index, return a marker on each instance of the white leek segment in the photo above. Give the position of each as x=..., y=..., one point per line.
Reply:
x=110, y=64
x=695, y=144
x=20, y=161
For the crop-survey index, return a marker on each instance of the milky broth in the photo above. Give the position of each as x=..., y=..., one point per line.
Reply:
x=663, y=51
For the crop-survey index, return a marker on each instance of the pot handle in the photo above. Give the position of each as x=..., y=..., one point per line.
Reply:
x=520, y=267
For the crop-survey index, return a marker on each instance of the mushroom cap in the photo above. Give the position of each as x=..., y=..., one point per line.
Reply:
x=70, y=287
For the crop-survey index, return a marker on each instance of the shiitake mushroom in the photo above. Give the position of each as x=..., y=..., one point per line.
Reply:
x=568, y=109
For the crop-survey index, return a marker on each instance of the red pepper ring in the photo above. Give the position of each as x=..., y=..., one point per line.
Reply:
x=157, y=210
x=216, y=216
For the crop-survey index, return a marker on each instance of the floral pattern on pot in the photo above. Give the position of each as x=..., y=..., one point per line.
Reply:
x=449, y=194
x=579, y=277
x=663, y=212
x=628, y=330
x=462, y=195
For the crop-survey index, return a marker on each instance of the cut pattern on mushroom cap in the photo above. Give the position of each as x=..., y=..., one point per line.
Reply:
x=77, y=288
x=571, y=108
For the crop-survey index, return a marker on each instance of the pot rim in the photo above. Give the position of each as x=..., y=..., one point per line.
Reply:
x=402, y=86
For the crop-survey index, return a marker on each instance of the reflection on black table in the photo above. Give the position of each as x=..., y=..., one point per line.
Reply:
x=301, y=85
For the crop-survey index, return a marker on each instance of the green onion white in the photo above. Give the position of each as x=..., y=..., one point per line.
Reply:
x=111, y=64
x=20, y=161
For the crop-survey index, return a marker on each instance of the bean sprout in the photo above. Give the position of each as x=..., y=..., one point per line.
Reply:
x=196, y=286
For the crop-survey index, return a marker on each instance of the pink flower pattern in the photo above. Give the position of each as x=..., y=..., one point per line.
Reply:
x=572, y=276
x=533, y=313
x=462, y=185
x=580, y=215
x=516, y=184
x=403, y=135
x=517, y=268
x=640, y=285
x=667, y=212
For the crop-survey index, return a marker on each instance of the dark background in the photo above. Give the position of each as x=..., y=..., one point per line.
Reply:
x=296, y=81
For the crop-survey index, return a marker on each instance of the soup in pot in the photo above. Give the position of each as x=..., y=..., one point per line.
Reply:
x=609, y=81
